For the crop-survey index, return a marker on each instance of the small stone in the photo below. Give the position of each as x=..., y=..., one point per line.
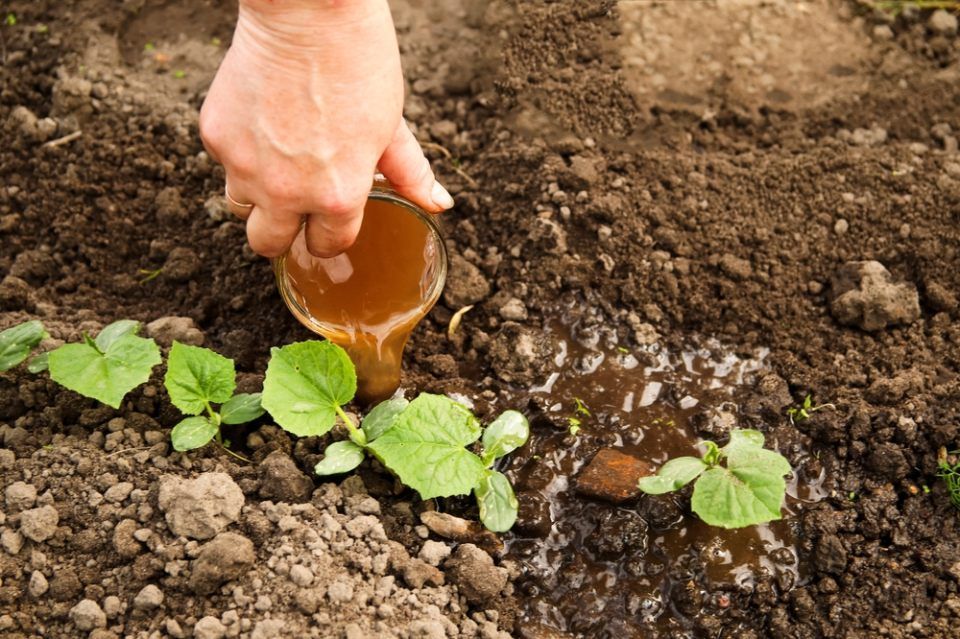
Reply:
x=39, y=524
x=263, y=603
x=513, y=310
x=169, y=205
x=301, y=575
x=474, y=572
x=174, y=629
x=200, y=508
x=434, y=552
x=943, y=23
x=149, y=598
x=268, y=629
x=12, y=541
x=227, y=557
x=864, y=295
x=20, y=496
x=112, y=606
x=841, y=226
x=38, y=585
x=612, y=476
x=118, y=492
x=209, y=628
x=736, y=267
x=340, y=591
x=124, y=541
x=281, y=480
x=418, y=573
x=883, y=32
x=167, y=329
x=461, y=530
x=466, y=283
x=604, y=233
x=87, y=615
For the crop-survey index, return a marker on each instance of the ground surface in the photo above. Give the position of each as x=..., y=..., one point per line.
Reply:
x=671, y=170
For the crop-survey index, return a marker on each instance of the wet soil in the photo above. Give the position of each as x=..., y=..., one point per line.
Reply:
x=677, y=171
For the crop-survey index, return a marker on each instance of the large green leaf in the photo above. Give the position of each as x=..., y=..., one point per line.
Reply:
x=107, y=375
x=507, y=433
x=116, y=330
x=192, y=432
x=383, y=417
x=17, y=341
x=304, y=385
x=748, y=491
x=340, y=457
x=425, y=447
x=241, y=408
x=197, y=376
x=498, y=505
x=673, y=475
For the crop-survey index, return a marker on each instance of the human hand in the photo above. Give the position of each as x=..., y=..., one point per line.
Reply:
x=305, y=107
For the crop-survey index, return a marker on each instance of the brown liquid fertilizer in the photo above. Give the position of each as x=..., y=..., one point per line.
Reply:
x=370, y=298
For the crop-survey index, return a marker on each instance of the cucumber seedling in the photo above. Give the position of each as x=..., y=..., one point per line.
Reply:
x=948, y=469
x=747, y=489
x=17, y=342
x=196, y=379
x=423, y=442
x=803, y=412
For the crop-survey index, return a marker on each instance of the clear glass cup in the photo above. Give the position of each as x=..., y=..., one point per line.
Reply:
x=377, y=353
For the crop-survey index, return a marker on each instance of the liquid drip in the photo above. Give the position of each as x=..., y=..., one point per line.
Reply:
x=369, y=298
x=646, y=568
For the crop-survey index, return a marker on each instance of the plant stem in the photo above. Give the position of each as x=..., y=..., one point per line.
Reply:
x=357, y=436
x=230, y=452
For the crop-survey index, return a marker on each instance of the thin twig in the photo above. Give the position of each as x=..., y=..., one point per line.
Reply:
x=70, y=137
x=456, y=169
x=128, y=450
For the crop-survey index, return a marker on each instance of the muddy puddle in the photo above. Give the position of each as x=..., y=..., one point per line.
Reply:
x=645, y=567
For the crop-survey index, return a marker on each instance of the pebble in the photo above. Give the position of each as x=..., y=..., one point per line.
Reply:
x=227, y=557
x=841, y=226
x=268, y=629
x=20, y=496
x=301, y=575
x=87, y=615
x=202, y=507
x=434, y=552
x=148, y=598
x=865, y=295
x=12, y=541
x=167, y=329
x=112, y=606
x=513, y=310
x=39, y=524
x=612, y=476
x=340, y=591
x=943, y=23
x=38, y=584
x=209, y=628
x=118, y=492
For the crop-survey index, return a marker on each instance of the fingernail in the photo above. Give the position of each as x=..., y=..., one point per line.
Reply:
x=440, y=196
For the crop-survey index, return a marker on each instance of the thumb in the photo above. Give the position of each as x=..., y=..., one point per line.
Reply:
x=409, y=172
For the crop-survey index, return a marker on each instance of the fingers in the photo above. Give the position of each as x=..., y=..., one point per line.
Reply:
x=270, y=233
x=329, y=235
x=408, y=170
x=237, y=203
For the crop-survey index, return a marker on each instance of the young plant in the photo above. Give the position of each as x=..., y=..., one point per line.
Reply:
x=18, y=341
x=196, y=379
x=422, y=442
x=948, y=469
x=748, y=490
x=803, y=412
x=108, y=367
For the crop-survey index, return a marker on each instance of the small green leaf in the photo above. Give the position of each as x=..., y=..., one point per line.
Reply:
x=39, y=363
x=304, y=385
x=507, y=433
x=17, y=341
x=425, y=447
x=106, y=376
x=712, y=456
x=192, y=432
x=673, y=475
x=241, y=408
x=197, y=376
x=748, y=491
x=113, y=332
x=340, y=457
x=382, y=417
x=498, y=505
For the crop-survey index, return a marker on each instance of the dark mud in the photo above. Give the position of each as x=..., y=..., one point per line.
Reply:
x=718, y=205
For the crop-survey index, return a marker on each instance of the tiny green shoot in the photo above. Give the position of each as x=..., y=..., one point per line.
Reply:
x=948, y=469
x=423, y=442
x=17, y=342
x=196, y=379
x=108, y=367
x=42, y=29
x=747, y=490
x=803, y=412
x=148, y=274
x=179, y=74
x=10, y=20
x=148, y=47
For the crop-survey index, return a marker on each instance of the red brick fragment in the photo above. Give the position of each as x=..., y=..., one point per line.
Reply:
x=612, y=476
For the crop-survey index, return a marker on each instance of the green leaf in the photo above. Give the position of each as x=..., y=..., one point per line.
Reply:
x=192, y=432
x=39, y=363
x=241, y=408
x=498, y=505
x=712, y=456
x=383, y=417
x=197, y=376
x=425, y=447
x=748, y=491
x=17, y=341
x=105, y=376
x=340, y=457
x=673, y=475
x=304, y=385
x=113, y=332
x=507, y=433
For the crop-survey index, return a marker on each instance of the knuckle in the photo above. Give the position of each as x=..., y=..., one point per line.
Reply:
x=342, y=200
